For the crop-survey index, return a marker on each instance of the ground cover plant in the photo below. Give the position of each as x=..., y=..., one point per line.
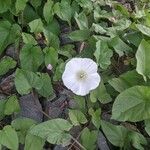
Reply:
x=45, y=44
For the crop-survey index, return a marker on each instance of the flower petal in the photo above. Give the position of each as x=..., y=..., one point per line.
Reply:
x=89, y=65
x=71, y=83
x=93, y=81
x=73, y=65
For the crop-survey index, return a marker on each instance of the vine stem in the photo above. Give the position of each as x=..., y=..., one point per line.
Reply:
x=86, y=104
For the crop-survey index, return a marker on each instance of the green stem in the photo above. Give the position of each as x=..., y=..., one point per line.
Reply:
x=86, y=105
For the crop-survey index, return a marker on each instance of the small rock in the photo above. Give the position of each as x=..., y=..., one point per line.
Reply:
x=11, y=51
x=102, y=142
x=2, y=96
x=59, y=147
x=75, y=131
x=56, y=109
x=31, y=107
x=107, y=117
x=7, y=84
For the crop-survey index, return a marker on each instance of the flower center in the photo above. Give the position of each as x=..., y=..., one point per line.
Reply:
x=81, y=75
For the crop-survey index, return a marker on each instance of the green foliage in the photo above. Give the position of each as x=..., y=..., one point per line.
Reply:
x=122, y=137
x=22, y=125
x=51, y=56
x=143, y=57
x=79, y=35
x=48, y=11
x=5, y=5
x=31, y=57
x=28, y=79
x=33, y=142
x=96, y=120
x=89, y=138
x=126, y=80
x=36, y=26
x=132, y=104
x=46, y=90
x=9, y=138
x=77, y=117
x=10, y=33
x=63, y=10
x=28, y=39
x=36, y=33
x=6, y=64
x=20, y=5
x=54, y=131
x=9, y=106
x=103, y=54
x=100, y=93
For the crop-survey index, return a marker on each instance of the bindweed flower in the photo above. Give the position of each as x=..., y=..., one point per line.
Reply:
x=80, y=76
x=49, y=67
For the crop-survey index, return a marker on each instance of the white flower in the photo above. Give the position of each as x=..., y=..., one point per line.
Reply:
x=49, y=67
x=81, y=75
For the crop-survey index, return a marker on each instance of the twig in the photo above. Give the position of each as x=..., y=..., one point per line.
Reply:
x=73, y=143
x=81, y=47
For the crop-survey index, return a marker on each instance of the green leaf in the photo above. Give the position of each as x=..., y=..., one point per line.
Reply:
x=9, y=138
x=10, y=33
x=52, y=27
x=144, y=29
x=85, y=4
x=79, y=35
x=11, y=105
x=46, y=90
x=101, y=94
x=130, y=38
x=33, y=142
x=96, y=119
x=36, y=26
x=132, y=104
x=126, y=80
x=89, y=139
x=147, y=126
x=77, y=117
x=59, y=71
x=120, y=46
x=4, y=5
x=6, y=64
x=122, y=137
x=52, y=39
x=67, y=51
x=98, y=28
x=82, y=21
x=35, y=3
x=143, y=59
x=48, y=11
x=103, y=54
x=22, y=125
x=31, y=57
x=20, y=5
x=28, y=79
x=63, y=10
x=29, y=14
x=54, y=131
x=51, y=56
x=28, y=39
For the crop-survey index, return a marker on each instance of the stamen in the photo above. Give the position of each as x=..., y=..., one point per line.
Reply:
x=81, y=75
